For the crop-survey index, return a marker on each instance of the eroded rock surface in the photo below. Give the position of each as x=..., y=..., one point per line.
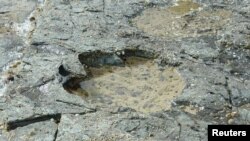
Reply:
x=122, y=70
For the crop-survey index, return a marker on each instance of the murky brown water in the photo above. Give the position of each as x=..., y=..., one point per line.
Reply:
x=141, y=85
x=183, y=7
x=173, y=22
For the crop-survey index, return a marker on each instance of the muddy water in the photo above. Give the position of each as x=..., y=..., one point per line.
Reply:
x=183, y=7
x=176, y=21
x=140, y=85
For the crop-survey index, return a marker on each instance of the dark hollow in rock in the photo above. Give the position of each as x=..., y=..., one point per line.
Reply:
x=136, y=53
x=63, y=71
x=99, y=58
x=128, y=78
x=12, y=125
x=32, y=19
x=98, y=63
x=73, y=86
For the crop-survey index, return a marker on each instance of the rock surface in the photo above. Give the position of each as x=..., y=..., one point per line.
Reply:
x=52, y=51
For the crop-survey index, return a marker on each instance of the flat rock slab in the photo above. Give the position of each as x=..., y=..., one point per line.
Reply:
x=55, y=85
x=121, y=126
x=40, y=131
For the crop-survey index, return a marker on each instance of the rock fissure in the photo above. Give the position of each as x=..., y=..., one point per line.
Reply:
x=57, y=129
x=229, y=92
x=78, y=105
x=12, y=125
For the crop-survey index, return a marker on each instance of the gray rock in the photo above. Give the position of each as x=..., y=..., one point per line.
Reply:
x=208, y=93
x=200, y=50
x=121, y=126
x=40, y=131
x=16, y=15
x=239, y=92
x=243, y=115
x=46, y=44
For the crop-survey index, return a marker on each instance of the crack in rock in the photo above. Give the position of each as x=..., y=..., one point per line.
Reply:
x=12, y=125
x=228, y=91
x=56, y=132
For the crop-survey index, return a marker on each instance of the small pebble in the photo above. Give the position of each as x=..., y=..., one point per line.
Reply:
x=230, y=121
